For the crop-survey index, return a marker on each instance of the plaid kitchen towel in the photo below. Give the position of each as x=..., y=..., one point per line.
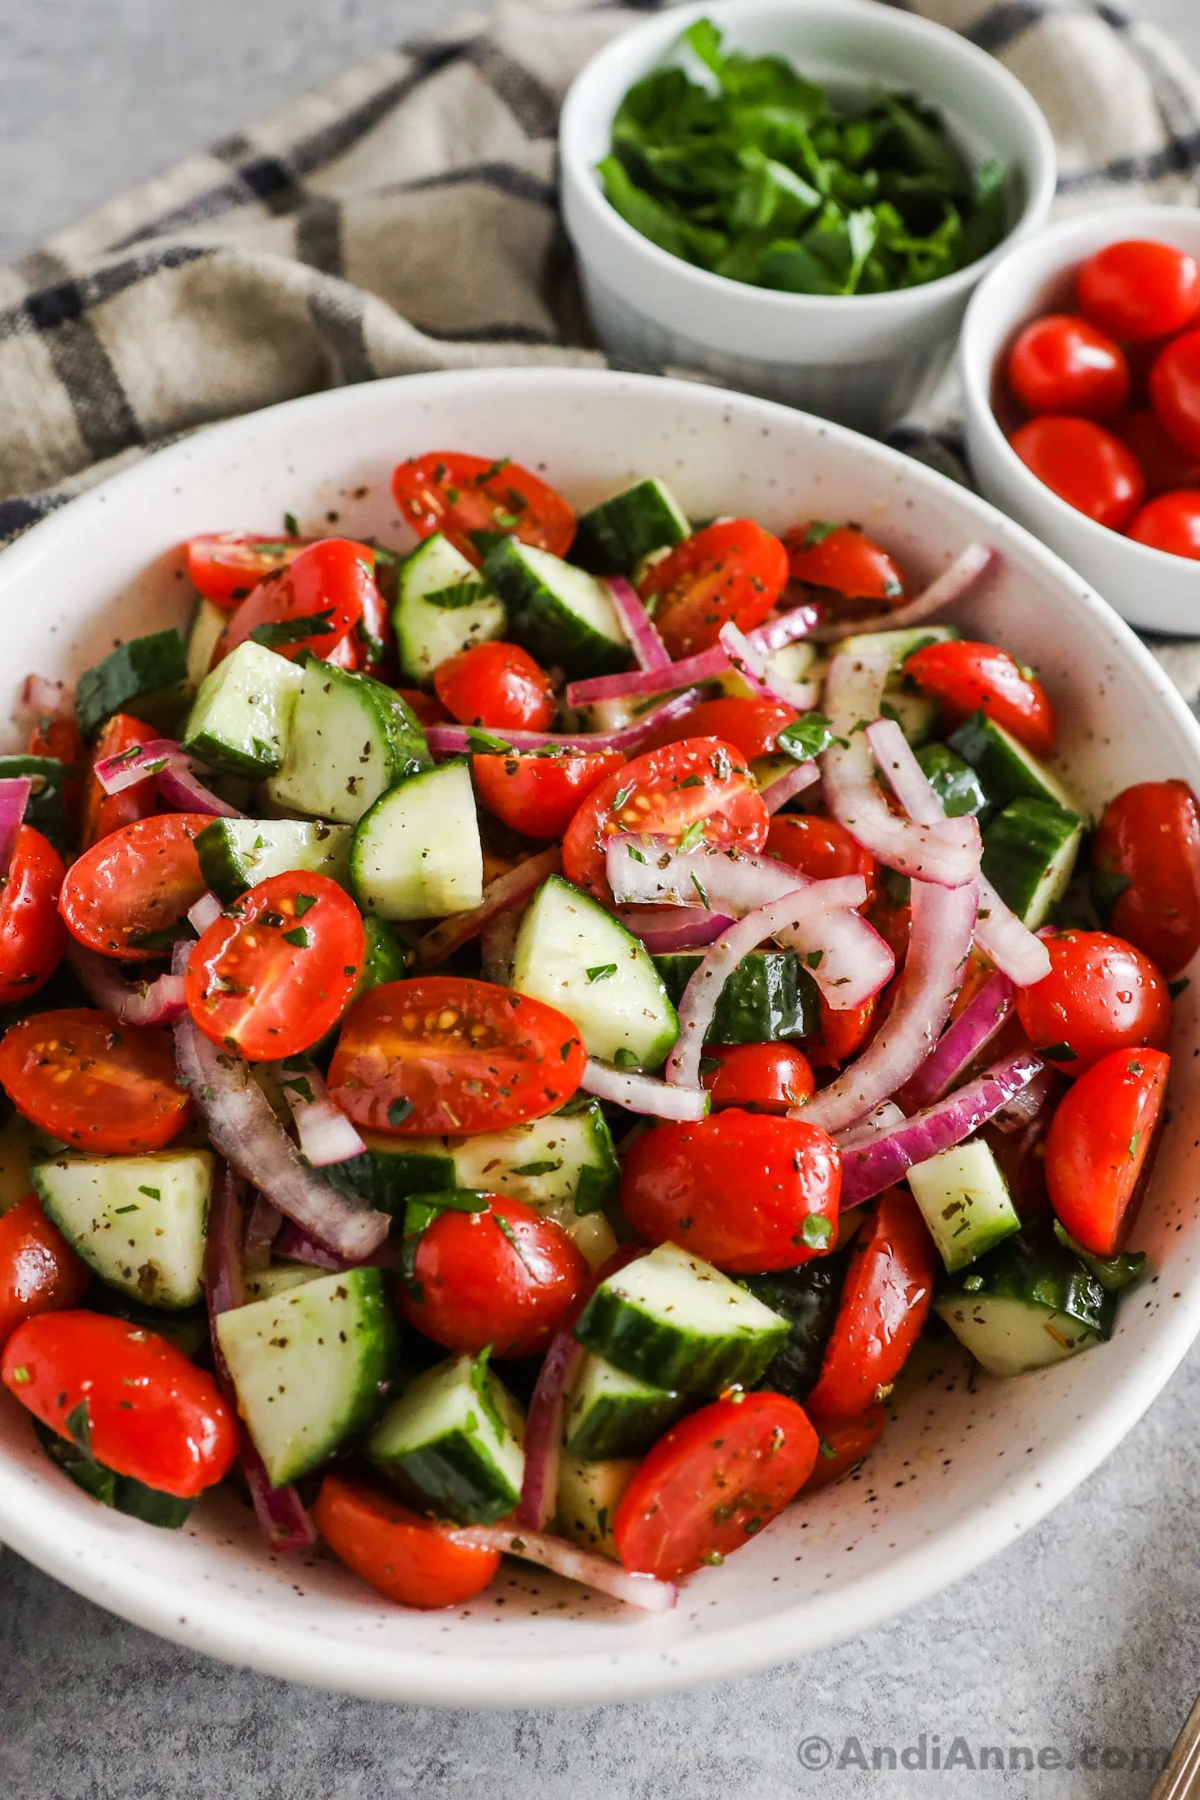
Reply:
x=404, y=218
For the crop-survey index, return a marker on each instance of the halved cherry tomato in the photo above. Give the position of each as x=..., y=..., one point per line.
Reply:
x=732, y=572
x=540, y=795
x=395, y=1551
x=496, y=685
x=32, y=938
x=61, y=738
x=501, y=1275
x=1085, y=465
x=81, y=1076
x=750, y=725
x=845, y=559
x=843, y=1444
x=127, y=894
x=276, y=971
x=1165, y=466
x=458, y=495
x=822, y=849
x=1147, y=849
x=743, y=1190
x=1098, y=1143
x=225, y=565
x=842, y=1034
x=759, y=1077
x=310, y=604
x=105, y=813
x=428, y=707
x=441, y=1053
x=699, y=782
x=145, y=1410
x=966, y=676
x=1063, y=364
x=39, y=1271
x=1100, y=995
x=1171, y=523
x=885, y=1302
x=712, y=1483
x=1138, y=289
x=1175, y=390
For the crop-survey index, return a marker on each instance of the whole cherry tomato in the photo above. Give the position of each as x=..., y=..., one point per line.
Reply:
x=81, y=1076
x=311, y=603
x=732, y=572
x=1171, y=523
x=105, y=813
x=32, y=938
x=126, y=896
x=821, y=849
x=459, y=495
x=1098, y=1142
x=1083, y=464
x=750, y=725
x=1100, y=995
x=1061, y=364
x=966, y=676
x=39, y=1271
x=759, y=1077
x=225, y=565
x=844, y=559
x=395, y=1551
x=496, y=685
x=1138, y=289
x=1147, y=853
x=841, y=1035
x=1175, y=390
x=1165, y=466
x=540, y=795
x=712, y=1483
x=843, y=1444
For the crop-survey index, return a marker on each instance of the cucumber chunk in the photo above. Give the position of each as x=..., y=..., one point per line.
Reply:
x=146, y=669
x=899, y=645
x=955, y=782
x=208, y=622
x=45, y=808
x=307, y=1366
x=241, y=717
x=917, y=715
x=417, y=852
x=443, y=606
x=1026, y=1306
x=139, y=1221
x=236, y=854
x=769, y=995
x=351, y=740
x=613, y=537
x=278, y=1278
x=455, y=1435
x=808, y=1298
x=678, y=1323
x=571, y=953
x=385, y=957
x=560, y=614
x=589, y=1494
x=124, y=1493
x=610, y=1413
x=1029, y=855
x=1007, y=770
x=965, y=1202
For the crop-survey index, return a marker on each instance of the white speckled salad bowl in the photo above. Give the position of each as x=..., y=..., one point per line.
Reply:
x=958, y=1474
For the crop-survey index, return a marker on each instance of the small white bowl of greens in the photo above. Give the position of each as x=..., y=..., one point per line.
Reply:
x=796, y=196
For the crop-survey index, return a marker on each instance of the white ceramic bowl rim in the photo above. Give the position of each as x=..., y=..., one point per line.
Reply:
x=975, y=64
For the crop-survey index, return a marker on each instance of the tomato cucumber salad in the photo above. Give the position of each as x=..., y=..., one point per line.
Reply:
x=516, y=1041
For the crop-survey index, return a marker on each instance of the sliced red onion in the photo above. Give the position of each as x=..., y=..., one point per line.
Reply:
x=46, y=699
x=294, y=1244
x=962, y=1041
x=584, y=1566
x=755, y=669
x=205, y=912
x=262, y=1228
x=14, y=796
x=456, y=740
x=803, y=912
x=544, y=1431
x=667, y=929
x=224, y=1280
x=948, y=852
x=507, y=889
x=282, y=1516
x=706, y=665
x=868, y=1168
x=644, y=1094
x=780, y=628
x=181, y=788
x=497, y=942
x=172, y=769
x=648, y=648
x=785, y=787
x=159, y=1002
x=1025, y=1107
x=868, y=1129
x=950, y=585
x=326, y=1134
x=243, y=1129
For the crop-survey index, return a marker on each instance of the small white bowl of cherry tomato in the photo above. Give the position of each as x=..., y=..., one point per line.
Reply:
x=1081, y=366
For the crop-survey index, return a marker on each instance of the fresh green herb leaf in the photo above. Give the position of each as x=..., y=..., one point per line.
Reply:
x=151, y=1193
x=816, y=1231
x=691, y=837
x=272, y=633
x=818, y=531
x=624, y=1058
x=291, y=525
x=1112, y=1272
x=299, y=938
x=1059, y=1053
x=398, y=1111
x=482, y=743
x=806, y=736
x=303, y=902
x=601, y=971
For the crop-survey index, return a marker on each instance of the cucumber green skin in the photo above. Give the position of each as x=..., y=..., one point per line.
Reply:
x=122, y=1492
x=955, y=782
x=538, y=622
x=623, y=1426
x=44, y=809
x=228, y=873
x=1038, y=1271
x=385, y=958
x=1018, y=846
x=454, y=1478
x=1002, y=773
x=144, y=665
x=385, y=1179
x=808, y=1298
x=663, y=1356
x=770, y=995
x=613, y=537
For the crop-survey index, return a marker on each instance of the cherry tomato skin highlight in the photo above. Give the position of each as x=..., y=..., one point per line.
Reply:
x=540, y=795
x=441, y=1053
x=96, y=1084
x=1149, y=838
x=225, y=565
x=821, y=849
x=502, y=1276
x=1175, y=390
x=402, y=1556
x=732, y=572
x=456, y=494
x=105, y=813
x=1101, y=995
x=32, y=935
x=1138, y=289
x=498, y=686
x=1085, y=465
x=751, y=726
x=712, y=1483
x=758, y=1077
x=1098, y=1143
x=844, y=559
x=276, y=971
x=327, y=583
x=745, y=1191
x=966, y=676
x=152, y=1414
x=1170, y=523
x=125, y=895
x=843, y=1444
x=885, y=1302
x=39, y=1271
x=1063, y=364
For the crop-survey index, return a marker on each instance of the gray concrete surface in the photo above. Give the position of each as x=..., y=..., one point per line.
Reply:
x=1082, y=1642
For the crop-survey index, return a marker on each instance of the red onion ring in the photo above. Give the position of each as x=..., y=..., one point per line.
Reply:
x=158, y=1002
x=785, y=787
x=455, y=740
x=667, y=929
x=755, y=670
x=262, y=1228
x=326, y=1134
x=644, y=1093
x=14, y=797
x=45, y=699
x=962, y=1041
x=950, y=585
x=507, y=889
x=205, y=912
x=584, y=1566
x=648, y=648
x=707, y=665
x=543, y=1431
x=294, y=1244
x=172, y=769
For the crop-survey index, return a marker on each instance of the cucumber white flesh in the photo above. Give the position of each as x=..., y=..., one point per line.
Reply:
x=417, y=853
x=1029, y=855
x=917, y=715
x=560, y=614
x=307, y=1365
x=455, y=1435
x=613, y=537
x=965, y=1202
x=1006, y=768
x=278, y=1278
x=592, y=1235
x=139, y=1221
x=241, y=717
x=235, y=854
x=678, y=1323
x=208, y=622
x=610, y=1413
x=1027, y=1305
x=589, y=1494
x=575, y=956
x=1011, y=1337
x=351, y=740
x=462, y=611
x=795, y=662
x=899, y=645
